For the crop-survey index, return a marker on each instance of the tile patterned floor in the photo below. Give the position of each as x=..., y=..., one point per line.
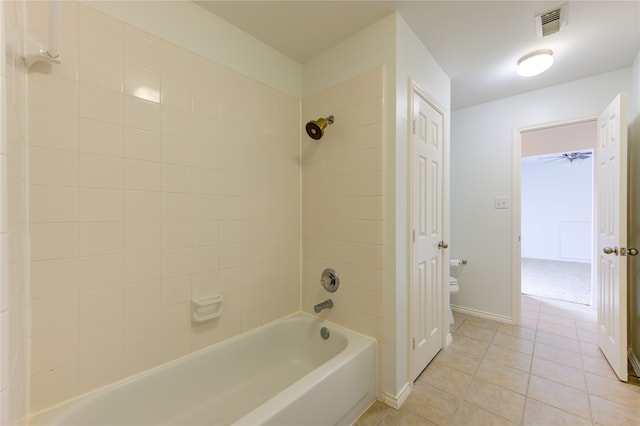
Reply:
x=548, y=371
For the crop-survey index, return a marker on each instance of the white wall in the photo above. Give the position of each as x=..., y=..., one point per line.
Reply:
x=556, y=209
x=413, y=62
x=481, y=169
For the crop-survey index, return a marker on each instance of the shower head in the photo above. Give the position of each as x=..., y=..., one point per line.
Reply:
x=315, y=128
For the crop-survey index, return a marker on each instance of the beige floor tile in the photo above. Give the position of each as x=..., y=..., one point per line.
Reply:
x=607, y=413
x=501, y=375
x=560, y=396
x=373, y=415
x=598, y=365
x=472, y=415
x=513, y=359
x=559, y=373
x=517, y=331
x=404, y=417
x=482, y=377
x=496, y=400
x=537, y=413
x=513, y=343
x=455, y=326
x=475, y=332
x=557, y=308
x=482, y=323
x=561, y=356
x=558, y=341
x=447, y=379
x=529, y=322
x=469, y=346
x=587, y=326
x=585, y=314
x=554, y=318
x=588, y=336
x=559, y=330
x=431, y=403
x=459, y=361
x=614, y=390
x=529, y=313
x=590, y=349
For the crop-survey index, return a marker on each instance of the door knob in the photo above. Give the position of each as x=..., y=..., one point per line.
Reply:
x=609, y=250
x=632, y=251
x=443, y=245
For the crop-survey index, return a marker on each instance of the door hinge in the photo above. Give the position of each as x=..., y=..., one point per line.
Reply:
x=413, y=235
x=414, y=343
x=414, y=127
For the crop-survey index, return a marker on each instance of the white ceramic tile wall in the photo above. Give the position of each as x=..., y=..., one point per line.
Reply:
x=156, y=176
x=343, y=204
x=13, y=304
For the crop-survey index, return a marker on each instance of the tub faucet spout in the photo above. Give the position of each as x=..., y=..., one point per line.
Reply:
x=327, y=304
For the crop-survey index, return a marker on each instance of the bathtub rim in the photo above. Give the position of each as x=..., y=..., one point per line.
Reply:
x=46, y=415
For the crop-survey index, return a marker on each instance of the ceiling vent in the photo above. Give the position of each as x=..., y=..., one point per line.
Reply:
x=551, y=21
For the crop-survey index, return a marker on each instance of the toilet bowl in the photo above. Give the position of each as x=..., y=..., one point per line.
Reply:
x=453, y=288
x=453, y=285
x=455, y=265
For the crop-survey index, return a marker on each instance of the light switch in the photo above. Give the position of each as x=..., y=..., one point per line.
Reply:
x=501, y=203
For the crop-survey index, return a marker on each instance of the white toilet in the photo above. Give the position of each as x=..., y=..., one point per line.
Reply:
x=455, y=265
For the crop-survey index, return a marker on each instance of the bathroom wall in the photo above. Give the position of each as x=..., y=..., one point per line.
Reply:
x=391, y=46
x=343, y=201
x=481, y=169
x=156, y=176
x=13, y=230
x=204, y=33
x=350, y=81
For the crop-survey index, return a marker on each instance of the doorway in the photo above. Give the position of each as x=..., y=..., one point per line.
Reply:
x=554, y=189
x=556, y=211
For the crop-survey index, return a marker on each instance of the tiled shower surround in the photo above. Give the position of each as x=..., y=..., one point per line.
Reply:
x=157, y=175
x=343, y=201
x=13, y=229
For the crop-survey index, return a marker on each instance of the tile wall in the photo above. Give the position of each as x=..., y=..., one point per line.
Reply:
x=155, y=176
x=13, y=240
x=343, y=198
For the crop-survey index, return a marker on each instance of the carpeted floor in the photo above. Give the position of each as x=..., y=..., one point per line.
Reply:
x=568, y=281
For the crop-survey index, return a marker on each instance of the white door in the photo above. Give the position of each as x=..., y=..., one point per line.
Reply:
x=427, y=222
x=611, y=222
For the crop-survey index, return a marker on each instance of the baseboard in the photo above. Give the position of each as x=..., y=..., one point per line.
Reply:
x=397, y=401
x=481, y=314
x=448, y=340
x=635, y=363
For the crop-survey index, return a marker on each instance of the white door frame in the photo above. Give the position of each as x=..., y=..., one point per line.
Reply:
x=416, y=90
x=516, y=194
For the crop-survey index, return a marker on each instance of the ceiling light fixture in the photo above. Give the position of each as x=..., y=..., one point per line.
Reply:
x=535, y=62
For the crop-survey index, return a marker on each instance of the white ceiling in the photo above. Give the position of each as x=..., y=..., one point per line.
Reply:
x=477, y=43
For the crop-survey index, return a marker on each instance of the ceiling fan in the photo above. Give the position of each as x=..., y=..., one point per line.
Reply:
x=569, y=156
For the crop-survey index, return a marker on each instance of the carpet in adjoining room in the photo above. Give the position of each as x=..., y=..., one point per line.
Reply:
x=558, y=280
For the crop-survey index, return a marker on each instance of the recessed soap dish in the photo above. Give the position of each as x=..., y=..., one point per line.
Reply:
x=206, y=308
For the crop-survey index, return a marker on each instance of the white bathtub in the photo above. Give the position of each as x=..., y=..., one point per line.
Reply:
x=282, y=373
